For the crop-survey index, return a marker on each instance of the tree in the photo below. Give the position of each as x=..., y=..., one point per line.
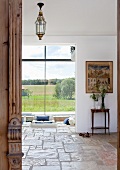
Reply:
x=58, y=90
x=65, y=89
x=26, y=92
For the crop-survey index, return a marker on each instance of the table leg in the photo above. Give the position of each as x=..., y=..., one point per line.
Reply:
x=105, y=122
x=108, y=122
x=92, y=122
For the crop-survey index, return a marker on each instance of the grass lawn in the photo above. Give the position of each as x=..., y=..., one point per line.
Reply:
x=37, y=102
x=40, y=89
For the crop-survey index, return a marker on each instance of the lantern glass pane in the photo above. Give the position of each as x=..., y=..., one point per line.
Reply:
x=37, y=28
x=41, y=29
x=44, y=26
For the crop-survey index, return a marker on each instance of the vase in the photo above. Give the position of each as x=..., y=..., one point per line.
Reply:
x=103, y=103
x=96, y=104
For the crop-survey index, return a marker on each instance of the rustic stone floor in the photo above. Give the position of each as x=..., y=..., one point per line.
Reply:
x=62, y=149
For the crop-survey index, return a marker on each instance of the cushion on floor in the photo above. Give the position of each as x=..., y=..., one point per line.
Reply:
x=42, y=118
x=66, y=121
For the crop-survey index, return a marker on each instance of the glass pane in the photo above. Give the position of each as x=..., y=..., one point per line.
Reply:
x=40, y=95
x=60, y=91
x=33, y=52
x=58, y=52
x=33, y=87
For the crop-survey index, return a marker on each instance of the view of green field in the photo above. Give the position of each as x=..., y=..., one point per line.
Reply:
x=38, y=102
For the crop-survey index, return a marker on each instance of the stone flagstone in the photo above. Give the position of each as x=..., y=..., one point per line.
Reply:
x=49, y=145
x=46, y=168
x=62, y=149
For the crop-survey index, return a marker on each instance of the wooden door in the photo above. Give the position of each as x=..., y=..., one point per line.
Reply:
x=3, y=83
x=15, y=51
x=10, y=84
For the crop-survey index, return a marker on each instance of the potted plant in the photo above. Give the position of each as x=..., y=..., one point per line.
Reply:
x=95, y=98
x=103, y=89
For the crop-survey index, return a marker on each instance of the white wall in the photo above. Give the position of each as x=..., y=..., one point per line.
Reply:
x=89, y=48
x=95, y=49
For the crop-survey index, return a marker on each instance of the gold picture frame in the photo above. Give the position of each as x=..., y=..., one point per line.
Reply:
x=101, y=71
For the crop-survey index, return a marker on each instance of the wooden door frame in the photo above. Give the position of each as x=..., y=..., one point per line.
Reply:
x=15, y=63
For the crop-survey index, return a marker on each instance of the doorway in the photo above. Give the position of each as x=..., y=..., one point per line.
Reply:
x=48, y=80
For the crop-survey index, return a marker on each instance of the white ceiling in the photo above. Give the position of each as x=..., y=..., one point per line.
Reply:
x=72, y=17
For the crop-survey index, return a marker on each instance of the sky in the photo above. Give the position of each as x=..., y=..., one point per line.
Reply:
x=36, y=70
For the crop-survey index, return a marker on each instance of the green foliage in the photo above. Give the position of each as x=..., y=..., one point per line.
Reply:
x=41, y=81
x=35, y=82
x=58, y=91
x=26, y=92
x=103, y=89
x=94, y=96
x=65, y=89
x=52, y=81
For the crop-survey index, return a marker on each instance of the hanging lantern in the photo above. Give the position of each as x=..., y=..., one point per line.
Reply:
x=40, y=23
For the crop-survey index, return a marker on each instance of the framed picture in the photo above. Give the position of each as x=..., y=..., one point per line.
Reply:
x=99, y=73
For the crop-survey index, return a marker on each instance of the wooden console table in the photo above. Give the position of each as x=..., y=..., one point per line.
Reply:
x=100, y=111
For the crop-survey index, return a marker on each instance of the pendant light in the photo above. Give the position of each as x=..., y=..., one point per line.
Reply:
x=40, y=23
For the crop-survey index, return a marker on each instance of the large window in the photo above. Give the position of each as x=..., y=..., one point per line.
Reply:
x=48, y=79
